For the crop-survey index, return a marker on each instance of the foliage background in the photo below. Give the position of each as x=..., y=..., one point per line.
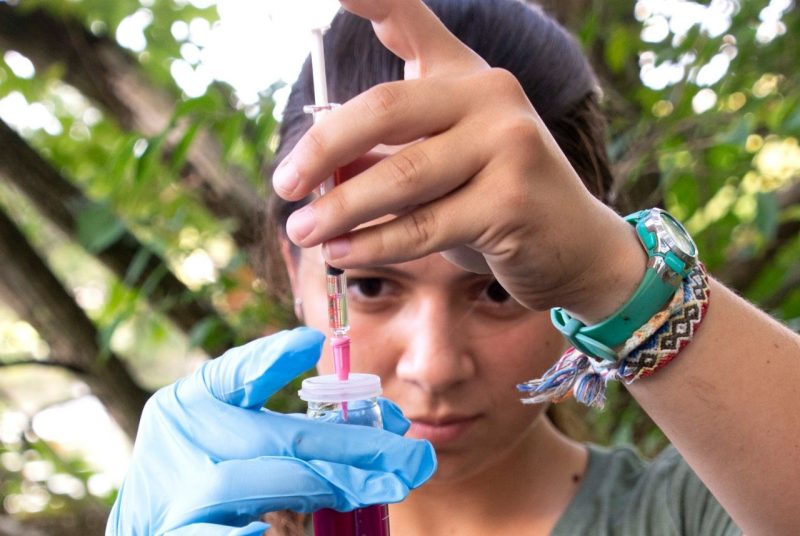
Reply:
x=140, y=200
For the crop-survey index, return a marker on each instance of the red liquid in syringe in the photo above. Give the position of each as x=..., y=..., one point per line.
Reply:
x=336, y=284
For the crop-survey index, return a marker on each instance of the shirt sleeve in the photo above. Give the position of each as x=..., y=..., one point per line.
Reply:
x=693, y=508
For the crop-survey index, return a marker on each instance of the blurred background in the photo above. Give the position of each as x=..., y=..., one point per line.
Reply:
x=134, y=138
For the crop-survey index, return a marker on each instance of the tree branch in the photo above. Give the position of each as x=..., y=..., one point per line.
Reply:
x=28, y=286
x=108, y=75
x=61, y=202
x=16, y=361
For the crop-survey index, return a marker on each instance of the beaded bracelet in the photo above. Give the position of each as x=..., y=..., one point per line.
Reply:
x=649, y=349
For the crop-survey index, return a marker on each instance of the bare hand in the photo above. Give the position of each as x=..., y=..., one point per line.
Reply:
x=480, y=178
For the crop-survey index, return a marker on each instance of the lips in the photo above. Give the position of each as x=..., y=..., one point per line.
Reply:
x=441, y=431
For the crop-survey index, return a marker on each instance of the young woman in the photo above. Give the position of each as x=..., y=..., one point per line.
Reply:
x=477, y=200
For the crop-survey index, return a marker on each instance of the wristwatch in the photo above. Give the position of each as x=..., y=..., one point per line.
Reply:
x=671, y=256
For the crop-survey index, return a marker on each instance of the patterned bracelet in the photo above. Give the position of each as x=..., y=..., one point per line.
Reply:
x=649, y=349
x=674, y=335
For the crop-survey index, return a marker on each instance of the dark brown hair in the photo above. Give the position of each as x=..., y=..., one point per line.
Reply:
x=509, y=34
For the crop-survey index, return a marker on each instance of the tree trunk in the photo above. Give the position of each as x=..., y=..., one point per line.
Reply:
x=61, y=202
x=30, y=288
x=107, y=74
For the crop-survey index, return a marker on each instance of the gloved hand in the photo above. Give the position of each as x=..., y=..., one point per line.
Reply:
x=208, y=458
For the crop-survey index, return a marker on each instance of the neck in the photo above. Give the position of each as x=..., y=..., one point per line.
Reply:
x=523, y=492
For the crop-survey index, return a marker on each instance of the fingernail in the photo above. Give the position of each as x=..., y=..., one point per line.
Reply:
x=301, y=223
x=286, y=178
x=337, y=248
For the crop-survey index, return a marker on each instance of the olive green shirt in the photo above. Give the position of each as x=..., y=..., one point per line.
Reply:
x=622, y=495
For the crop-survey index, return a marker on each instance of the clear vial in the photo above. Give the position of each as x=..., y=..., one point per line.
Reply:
x=351, y=401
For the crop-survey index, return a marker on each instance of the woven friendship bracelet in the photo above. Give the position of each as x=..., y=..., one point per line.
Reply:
x=673, y=336
x=641, y=335
x=649, y=349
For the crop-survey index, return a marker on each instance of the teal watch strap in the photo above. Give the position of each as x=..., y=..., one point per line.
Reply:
x=635, y=312
x=671, y=255
x=616, y=329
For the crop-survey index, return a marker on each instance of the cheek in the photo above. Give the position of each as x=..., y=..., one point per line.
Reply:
x=374, y=349
x=528, y=350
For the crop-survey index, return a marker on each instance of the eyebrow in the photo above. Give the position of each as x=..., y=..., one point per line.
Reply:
x=384, y=270
x=401, y=274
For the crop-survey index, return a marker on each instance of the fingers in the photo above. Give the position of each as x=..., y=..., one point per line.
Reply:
x=248, y=375
x=411, y=31
x=223, y=432
x=372, y=449
x=235, y=492
x=256, y=528
x=393, y=419
x=416, y=175
x=437, y=226
x=394, y=113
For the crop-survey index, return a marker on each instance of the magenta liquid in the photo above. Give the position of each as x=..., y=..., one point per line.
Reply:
x=369, y=521
x=325, y=395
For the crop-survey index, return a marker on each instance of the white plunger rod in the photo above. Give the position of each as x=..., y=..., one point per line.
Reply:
x=318, y=67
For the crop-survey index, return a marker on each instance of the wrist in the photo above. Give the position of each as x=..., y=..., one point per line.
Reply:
x=613, y=283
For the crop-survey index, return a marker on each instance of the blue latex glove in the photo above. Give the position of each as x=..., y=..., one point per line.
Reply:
x=209, y=459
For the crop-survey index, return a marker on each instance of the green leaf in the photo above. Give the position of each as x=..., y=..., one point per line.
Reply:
x=792, y=122
x=206, y=332
x=122, y=160
x=153, y=279
x=98, y=227
x=105, y=333
x=738, y=132
x=149, y=159
x=204, y=106
x=723, y=157
x=767, y=214
x=230, y=132
x=137, y=266
x=265, y=127
x=620, y=47
x=182, y=148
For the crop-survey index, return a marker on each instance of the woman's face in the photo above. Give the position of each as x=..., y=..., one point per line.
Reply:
x=450, y=347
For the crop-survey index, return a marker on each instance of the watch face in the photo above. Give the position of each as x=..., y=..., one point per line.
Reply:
x=678, y=234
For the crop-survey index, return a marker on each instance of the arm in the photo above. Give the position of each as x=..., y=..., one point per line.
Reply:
x=729, y=404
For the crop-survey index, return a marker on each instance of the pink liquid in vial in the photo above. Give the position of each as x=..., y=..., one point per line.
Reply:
x=368, y=521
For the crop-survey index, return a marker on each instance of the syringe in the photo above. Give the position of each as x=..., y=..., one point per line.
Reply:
x=336, y=280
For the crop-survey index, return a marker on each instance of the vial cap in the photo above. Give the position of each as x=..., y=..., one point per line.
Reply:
x=331, y=389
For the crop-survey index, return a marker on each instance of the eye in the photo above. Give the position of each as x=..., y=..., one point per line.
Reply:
x=367, y=287
x=495, y=293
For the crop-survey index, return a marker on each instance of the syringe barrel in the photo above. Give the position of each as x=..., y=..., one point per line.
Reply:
x=336, y=282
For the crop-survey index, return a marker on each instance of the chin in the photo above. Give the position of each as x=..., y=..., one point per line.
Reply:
x=454, y=467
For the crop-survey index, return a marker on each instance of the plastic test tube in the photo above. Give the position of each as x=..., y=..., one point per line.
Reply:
x=326, y=396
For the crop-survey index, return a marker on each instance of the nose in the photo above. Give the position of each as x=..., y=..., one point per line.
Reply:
x=437, y=355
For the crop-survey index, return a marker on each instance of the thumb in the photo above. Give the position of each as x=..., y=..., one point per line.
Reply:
x=410, y=30
x=248, y=375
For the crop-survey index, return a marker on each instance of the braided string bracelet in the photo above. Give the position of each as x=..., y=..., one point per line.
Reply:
x=649, y=349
